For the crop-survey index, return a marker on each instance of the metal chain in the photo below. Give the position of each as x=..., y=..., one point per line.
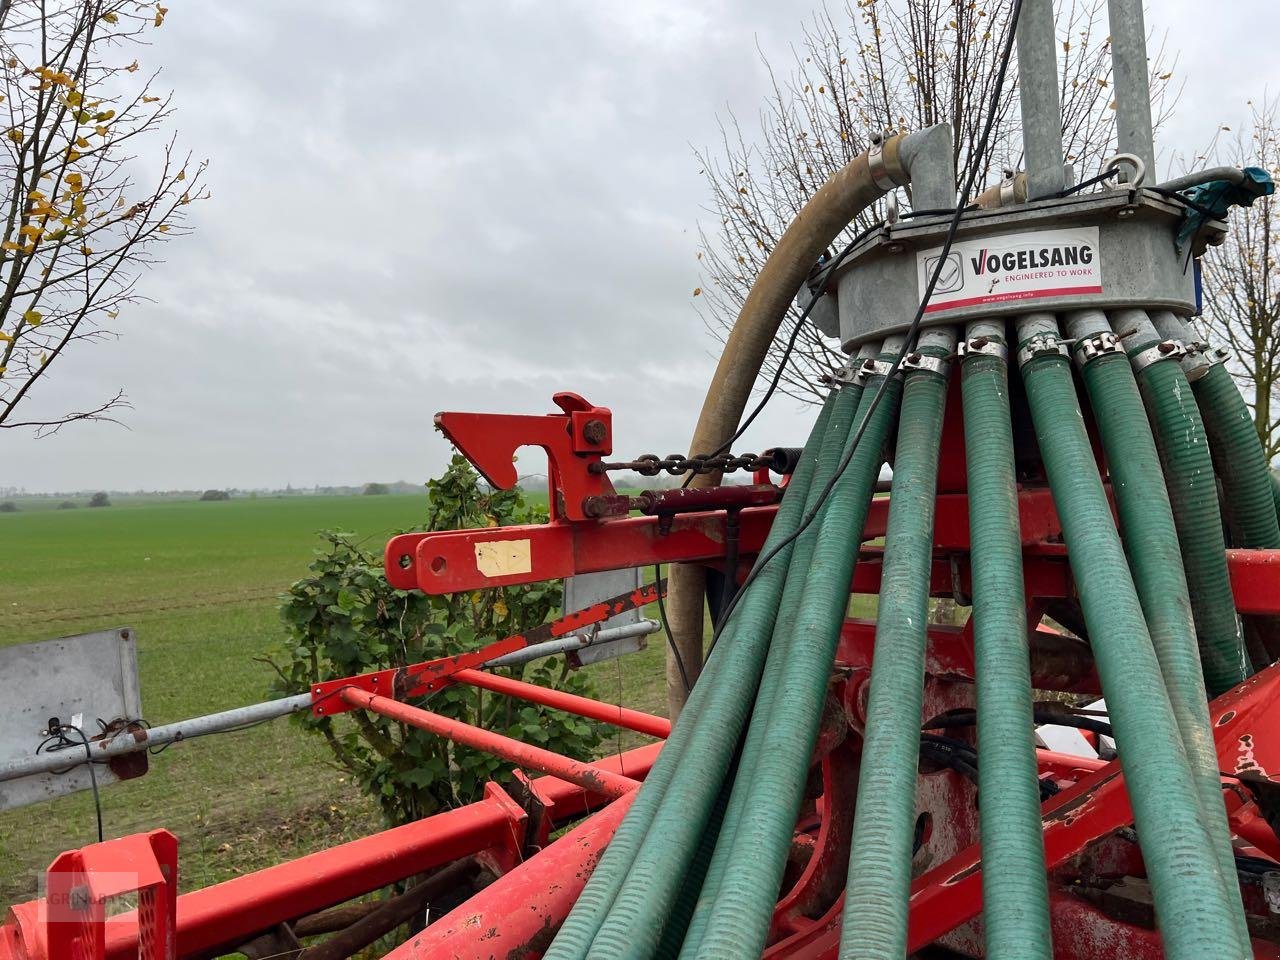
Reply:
x=650, y=464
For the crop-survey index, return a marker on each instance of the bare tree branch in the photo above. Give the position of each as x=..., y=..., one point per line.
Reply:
x=870, y=66
x=1241, y=278
x=83, y=219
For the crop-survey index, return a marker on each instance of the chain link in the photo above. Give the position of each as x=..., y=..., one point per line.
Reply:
x=650, y=464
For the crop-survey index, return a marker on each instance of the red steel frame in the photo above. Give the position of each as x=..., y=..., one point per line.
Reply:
x=520, y=911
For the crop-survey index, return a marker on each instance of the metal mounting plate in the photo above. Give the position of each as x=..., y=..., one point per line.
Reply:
x=586, y=589
x=880, y=287
x=91, y=676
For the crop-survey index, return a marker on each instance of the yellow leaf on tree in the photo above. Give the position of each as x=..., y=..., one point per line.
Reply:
x=33, y=317
x=150, y=99
x=182, y=175
x=132, y=67
x=4, y=337
x=2, y=370
x=30, y=230
x=82, y=143
x=15, y=134
x=113, y=314
x=163, y=228
x=86, y=250
x=35, y=195
x=111, y=17
x=160, y=12
x=75, y=98
x=10, y=245
x=75, y=181
x=100, y=130
x=72, y=155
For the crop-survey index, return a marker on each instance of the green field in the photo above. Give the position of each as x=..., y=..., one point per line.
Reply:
x=199, y=583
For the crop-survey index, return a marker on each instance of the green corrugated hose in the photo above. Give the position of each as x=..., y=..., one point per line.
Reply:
x=1242, y=467
x=748, y=890
x=879, y=877
x=1151, y=540
x=1014, y=887
x=1188, y=471
x=1194, y=913
x=740, y=654
x=633, y=926
x=842, y=418
x=1240, y=460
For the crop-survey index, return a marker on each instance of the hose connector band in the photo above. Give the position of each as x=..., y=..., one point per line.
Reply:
x=984, y=346
x=879, y=167
x=1098, y=345
x=918, y=361
x=1042, y=345
x=870, y=368
x=1165, y=350
x=1201, y=358
x=843, y=376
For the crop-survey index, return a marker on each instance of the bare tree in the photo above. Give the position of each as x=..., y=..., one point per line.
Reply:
x=85, y=213
x=875, y=66
x=1242, y=277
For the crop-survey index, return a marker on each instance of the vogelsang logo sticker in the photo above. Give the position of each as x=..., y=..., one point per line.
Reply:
x=1015, y=266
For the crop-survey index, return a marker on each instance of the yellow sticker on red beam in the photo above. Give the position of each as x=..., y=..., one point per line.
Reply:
x=503, y=558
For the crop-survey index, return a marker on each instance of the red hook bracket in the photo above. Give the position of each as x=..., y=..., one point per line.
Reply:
x=573, y=440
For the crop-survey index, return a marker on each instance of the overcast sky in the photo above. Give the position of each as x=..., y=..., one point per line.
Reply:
x=436, y=206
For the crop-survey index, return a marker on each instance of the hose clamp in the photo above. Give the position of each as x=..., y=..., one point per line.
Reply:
x=872, y=368
x=876, y=163
x=845, y=375
x=1165, y=350
x=918, y=361
x=1008, y=193
x=1042, y=345
x=1098, y=345
x=985, y=346
x=1201, y=358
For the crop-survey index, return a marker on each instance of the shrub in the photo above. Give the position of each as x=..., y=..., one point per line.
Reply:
x=345, y=619
x=67, y=505
x=8, y=507
x=215, y=495
x=99, y=500
x=376, y=489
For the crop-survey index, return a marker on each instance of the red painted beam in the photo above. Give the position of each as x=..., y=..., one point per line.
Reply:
x=519, y=914
x=229, y=913
x=593, y=779
x=617, y=715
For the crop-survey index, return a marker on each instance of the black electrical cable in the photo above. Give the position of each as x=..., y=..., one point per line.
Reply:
x=666, y=627
x=1041, y=715
x=62, y=741
x=821, y=281
x=913, y=331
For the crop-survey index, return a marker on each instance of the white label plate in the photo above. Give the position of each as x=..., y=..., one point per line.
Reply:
x=1031, y=265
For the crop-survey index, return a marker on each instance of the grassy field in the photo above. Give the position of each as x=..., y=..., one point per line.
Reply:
x=199, y=583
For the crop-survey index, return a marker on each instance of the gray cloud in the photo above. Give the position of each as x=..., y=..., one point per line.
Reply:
x=431, y=206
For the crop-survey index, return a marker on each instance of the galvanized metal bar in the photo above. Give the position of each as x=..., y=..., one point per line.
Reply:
x=140, y=738
x=1038, y=93
x=575, y=641
x=1130, y=80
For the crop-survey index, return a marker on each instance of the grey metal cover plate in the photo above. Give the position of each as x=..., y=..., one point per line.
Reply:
x=93, y=675
x=879, y=290
x=588, y=588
